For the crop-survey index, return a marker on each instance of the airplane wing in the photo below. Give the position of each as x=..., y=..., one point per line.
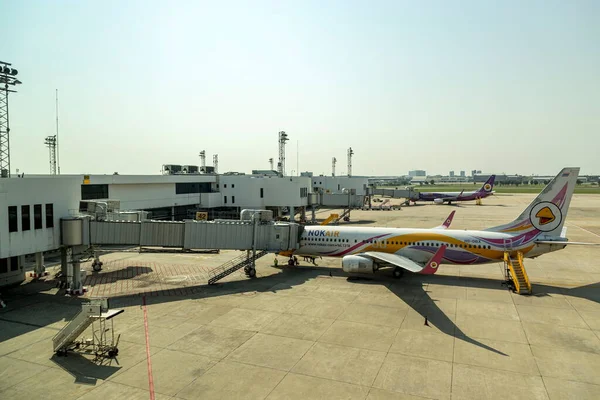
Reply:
x=447, y=222
x=408, y=264
x=394, y=259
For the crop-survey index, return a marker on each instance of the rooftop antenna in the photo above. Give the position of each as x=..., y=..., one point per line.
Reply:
x=271, y=163
x=216, y=163
x=50, y=142
x=333, y=161
x=57, y=155
x=297, y=160
x=283, y=137
x=203, y=160
x=350, y=154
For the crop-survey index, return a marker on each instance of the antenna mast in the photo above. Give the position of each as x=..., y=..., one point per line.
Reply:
x=350, y=154
x=7, y=77
x=56, y=148
x=216, y=163
x=50, y=142
x=333, y=161
x=283, y=137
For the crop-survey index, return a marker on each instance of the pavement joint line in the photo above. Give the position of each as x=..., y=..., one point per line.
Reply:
x=529, y=346
x=583, y=229
x=388, y=351
x=24, y=379
x=309, y=349
x=29, y=324
x=581, y=316
x=220, y=361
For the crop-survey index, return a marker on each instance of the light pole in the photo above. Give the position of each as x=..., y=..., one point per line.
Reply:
x=7, y=78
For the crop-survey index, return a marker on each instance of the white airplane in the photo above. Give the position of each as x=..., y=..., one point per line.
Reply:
x=538, y=230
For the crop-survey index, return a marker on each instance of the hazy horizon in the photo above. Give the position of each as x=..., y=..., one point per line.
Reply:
x=499, y=87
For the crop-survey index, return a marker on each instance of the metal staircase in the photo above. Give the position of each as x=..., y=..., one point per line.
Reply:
x=90, y=312
x=233, y=265
x=515, y=272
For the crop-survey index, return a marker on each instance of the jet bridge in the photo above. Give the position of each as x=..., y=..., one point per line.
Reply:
x=407, y=193
x=255, y=231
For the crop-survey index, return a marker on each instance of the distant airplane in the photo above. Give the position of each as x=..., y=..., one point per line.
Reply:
x=449, y=197
x=538, y=230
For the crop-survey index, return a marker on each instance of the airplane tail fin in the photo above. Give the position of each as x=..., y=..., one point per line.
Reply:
x=488, y=186
x=546, y=215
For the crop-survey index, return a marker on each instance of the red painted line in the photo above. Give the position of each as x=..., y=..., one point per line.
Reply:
x=149, y=362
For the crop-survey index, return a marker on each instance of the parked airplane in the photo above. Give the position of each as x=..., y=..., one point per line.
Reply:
x=449, y=197
x=538, y=230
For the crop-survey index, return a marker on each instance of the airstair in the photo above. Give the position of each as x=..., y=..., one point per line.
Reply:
x=231, y=266
x=515, y=272
x=96, y=310
x=331, y=218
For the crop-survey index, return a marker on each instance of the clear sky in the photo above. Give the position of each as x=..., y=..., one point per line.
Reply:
x=509, y=86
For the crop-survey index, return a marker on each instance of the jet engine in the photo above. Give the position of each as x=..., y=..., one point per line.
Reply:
x=438, y=201
x=358, y=264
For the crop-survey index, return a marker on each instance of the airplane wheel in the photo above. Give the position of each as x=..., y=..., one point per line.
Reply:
x=398, y=272
x=252, y=273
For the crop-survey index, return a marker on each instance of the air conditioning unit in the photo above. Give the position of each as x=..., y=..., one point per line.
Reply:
x=169, y=169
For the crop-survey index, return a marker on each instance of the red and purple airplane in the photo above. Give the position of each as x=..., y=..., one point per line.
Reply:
x=449, y=197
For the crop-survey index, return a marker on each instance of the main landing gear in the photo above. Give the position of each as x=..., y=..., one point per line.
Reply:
x=398, y=272
x=250, y=272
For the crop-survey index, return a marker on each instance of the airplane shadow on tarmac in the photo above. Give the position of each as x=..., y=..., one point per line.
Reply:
x=411, y=289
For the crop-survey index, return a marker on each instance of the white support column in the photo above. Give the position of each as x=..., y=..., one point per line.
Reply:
x=64, y=261
x=173, y=213
x=74, y=283
x=292, y=214
x=40, y=268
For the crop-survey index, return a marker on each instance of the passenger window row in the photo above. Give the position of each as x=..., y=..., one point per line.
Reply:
x=13, y=217
x=431, y=244
x=328, y=240
x=392, y=242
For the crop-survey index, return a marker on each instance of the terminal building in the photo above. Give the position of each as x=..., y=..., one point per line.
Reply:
x=33, y=206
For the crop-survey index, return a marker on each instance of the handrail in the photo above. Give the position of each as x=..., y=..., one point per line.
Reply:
x=508, y=262
x=520, y=259
x=66, y=326
x=329, y=219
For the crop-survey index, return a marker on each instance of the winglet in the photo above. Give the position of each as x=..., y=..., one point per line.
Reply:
x=447, y=222
x=433, y=264
x=461, y=192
